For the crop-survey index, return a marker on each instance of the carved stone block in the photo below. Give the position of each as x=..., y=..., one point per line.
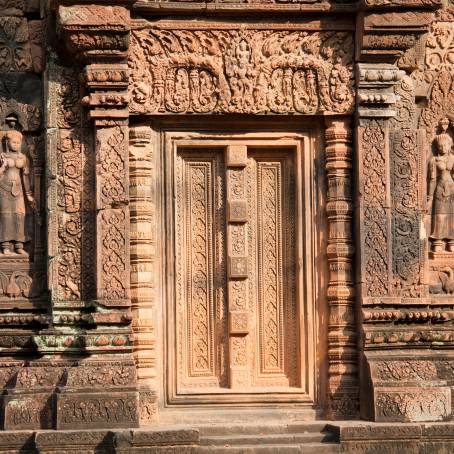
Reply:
x=237, y=211
x=32, y=410
x=238, y=322
x=103, y=410
x=237, y=267
x=148, y=406
x=236, y=156
x=412, y=404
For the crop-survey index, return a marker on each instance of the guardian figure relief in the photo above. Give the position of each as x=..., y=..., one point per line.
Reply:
x=15, y=193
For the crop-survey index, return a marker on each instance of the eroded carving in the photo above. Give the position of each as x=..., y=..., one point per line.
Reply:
x=14, y=45
x=408, y=405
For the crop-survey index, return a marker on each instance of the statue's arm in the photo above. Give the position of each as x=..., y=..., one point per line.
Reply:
x=27, y=183
x=432, y=178
x=2, y=164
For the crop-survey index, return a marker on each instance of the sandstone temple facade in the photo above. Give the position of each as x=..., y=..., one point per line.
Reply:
x=227, y=213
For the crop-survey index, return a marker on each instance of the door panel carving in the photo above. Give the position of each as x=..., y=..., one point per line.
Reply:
x=238, y=309
x=200, y=280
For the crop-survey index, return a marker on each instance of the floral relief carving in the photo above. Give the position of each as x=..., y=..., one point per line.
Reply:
x=70, y=154
x=406, y=370
x=112, y=151
x=199, y=177
x=67, y=98
x=14, y=45
x=269, y=188
x=247, y=71
x=104, y=375
x=68, y=269
x=375, y=197
x=407, y=245
x=114, y=255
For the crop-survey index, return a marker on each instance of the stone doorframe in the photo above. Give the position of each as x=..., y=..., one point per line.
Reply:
x=146, y=148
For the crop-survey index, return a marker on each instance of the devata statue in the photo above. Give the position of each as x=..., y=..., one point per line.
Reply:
x=14, y=189
x=441, y=191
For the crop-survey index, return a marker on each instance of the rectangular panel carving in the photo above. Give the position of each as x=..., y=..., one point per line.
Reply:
x=273, y=217
x=200, y=285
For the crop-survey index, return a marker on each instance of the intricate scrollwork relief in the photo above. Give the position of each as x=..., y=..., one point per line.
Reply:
x=68, y=269
x=65, y=97
x=112, y=165
x=376, y=266
x=114, y=283
x=418, y=370
x=70, y=175
x=246, y=71
x=406, y=175
x=101, y=376
x=407, y=245
x=438, y=72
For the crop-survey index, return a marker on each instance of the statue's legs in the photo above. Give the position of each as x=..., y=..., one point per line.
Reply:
x=6, y=247
x=19, y=248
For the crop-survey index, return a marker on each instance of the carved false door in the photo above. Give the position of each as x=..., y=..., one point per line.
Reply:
x=238, y=309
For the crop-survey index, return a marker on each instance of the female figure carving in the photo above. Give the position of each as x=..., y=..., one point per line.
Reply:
x=14, y=189
x=441, y=191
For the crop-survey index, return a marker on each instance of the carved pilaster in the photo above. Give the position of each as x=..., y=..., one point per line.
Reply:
x=98, y=37
x=142, y=168
x=342, y=354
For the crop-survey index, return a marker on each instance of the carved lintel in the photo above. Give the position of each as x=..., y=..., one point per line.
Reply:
x=301, y=77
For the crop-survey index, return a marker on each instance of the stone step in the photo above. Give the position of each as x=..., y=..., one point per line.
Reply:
x=307, y=448
x=262, y=429
x=265, y=439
